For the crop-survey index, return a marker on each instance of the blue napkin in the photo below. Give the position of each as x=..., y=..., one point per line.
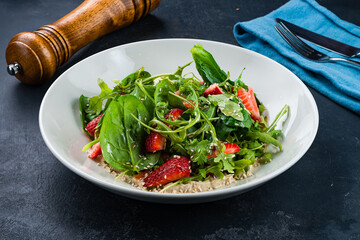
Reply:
x=340, y=82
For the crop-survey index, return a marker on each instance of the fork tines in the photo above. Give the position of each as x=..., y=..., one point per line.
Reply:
x=296, y=43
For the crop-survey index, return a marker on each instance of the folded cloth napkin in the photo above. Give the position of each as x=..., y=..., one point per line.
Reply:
x=338, y=81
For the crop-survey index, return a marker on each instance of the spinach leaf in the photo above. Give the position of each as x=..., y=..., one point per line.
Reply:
x=206, y=65
x=232, y=122
x=91, y=107
x=85, y=116
x=122, y=137
x=223, y=130
x=147, y=98
x=227, y=106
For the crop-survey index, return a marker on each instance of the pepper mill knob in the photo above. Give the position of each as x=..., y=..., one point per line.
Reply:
x=33, y=57
x=13, y=68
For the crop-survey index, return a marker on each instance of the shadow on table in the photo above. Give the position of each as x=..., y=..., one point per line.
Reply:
x=269, y=209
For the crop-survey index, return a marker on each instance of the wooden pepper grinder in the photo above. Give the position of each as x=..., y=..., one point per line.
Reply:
x=33, y=57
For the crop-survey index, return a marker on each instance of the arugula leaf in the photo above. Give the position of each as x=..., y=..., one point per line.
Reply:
x=240, y=165
x=264, y=137
x=96, y=102
x=206, y=65
x=226, y=160
x=198, y=151
x=163, y=99
x=238, y=84
x=214, y=168
x=122, y=137
x=128, y=83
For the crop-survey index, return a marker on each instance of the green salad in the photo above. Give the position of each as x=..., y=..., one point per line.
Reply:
x=176, y=128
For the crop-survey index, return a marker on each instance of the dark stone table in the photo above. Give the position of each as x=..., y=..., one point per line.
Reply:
x=318, y=198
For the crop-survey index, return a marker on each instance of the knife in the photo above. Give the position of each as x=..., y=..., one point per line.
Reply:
x=322, y=41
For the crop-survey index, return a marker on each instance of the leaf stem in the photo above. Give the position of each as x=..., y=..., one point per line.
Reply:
x=283, y=111
x=121, y=174
x=90, y=144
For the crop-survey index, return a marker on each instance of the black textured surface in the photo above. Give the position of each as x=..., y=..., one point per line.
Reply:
x=318, y=198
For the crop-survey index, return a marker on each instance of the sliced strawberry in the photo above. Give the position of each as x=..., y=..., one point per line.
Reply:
x=155, y=142
x=90, y=127
x=214, y=89
x=95, y=151
x=186, y=104
x=174, y=114
x=174, y=169
x=141, y=175
x=231, y=148
x=213, y=154
x=249, y=101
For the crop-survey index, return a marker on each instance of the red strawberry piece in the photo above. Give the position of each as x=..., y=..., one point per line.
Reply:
x=155, y=142
x=174, y=114
x=214, y=89
x=231, y=148
x=186, y=104
x=143, y=174
x=165, y=156
x=249, y=101
x=174, y=169
x=90, y=127
x=95, y=151
x=201, y=83
x=212, y=154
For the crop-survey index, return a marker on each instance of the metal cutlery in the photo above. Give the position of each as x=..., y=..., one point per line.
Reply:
x=322, y=41
x=304, y=49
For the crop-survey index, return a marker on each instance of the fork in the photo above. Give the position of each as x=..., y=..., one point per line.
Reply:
x=305, y=50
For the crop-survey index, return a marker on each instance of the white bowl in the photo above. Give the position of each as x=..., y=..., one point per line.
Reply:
x=275, y=86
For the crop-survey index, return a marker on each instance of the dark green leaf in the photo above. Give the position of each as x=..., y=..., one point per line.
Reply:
x=206, y=65
x=129, y=81
x=199, y=150
x=122, y=137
